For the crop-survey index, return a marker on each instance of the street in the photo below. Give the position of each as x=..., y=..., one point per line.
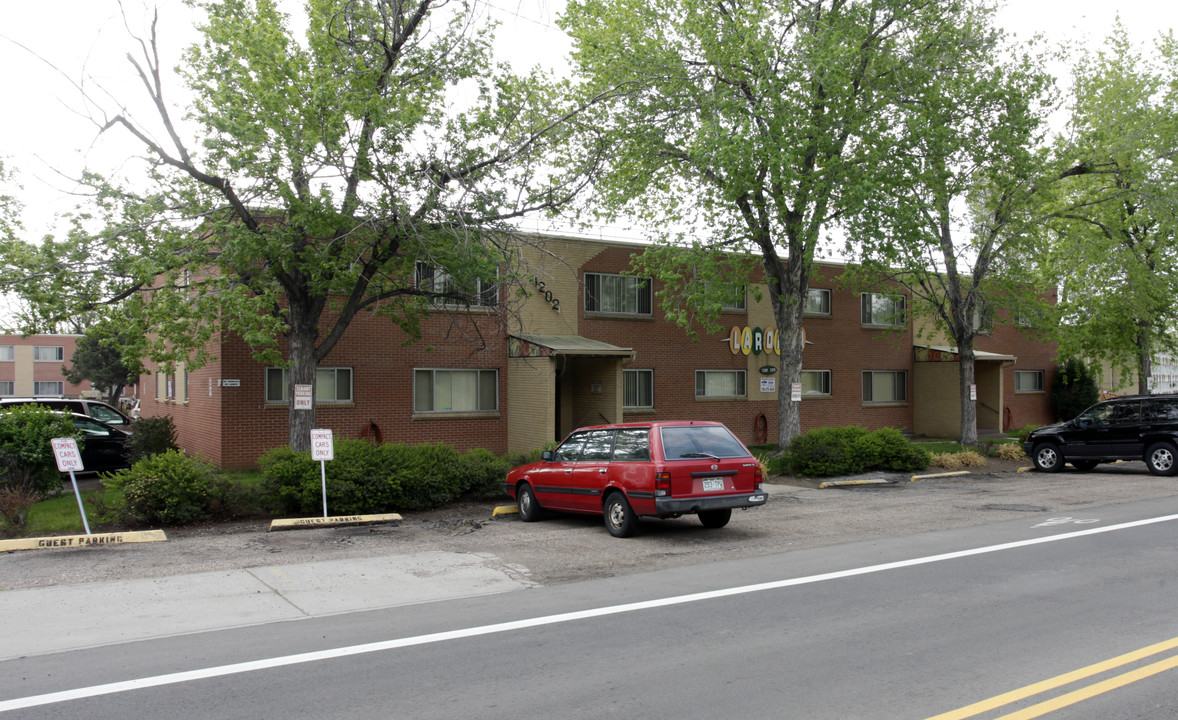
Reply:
x=916, y=626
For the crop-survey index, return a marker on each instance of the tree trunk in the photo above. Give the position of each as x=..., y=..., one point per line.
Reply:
x=787, y=291
x=1144, y=357
x=301, y=339
x=969, y=407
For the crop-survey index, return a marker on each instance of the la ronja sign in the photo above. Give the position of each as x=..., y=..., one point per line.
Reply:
x=754, y=341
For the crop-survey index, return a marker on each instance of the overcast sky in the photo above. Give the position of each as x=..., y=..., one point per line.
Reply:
x=42, y=132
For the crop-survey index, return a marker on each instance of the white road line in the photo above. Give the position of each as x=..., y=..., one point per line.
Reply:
x=321, y=655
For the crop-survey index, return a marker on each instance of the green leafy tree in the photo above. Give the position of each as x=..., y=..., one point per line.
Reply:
x=1115, y=248
x=99, y=358
x=753, y=121
x=311, y=174
x=951, y=207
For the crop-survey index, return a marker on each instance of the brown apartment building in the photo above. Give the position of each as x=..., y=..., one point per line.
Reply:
x=590, y=346
x=31, y=366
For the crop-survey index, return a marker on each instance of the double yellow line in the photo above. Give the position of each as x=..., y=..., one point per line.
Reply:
x=1075, y=696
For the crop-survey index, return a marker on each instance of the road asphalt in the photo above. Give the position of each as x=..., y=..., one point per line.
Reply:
x=211, y=579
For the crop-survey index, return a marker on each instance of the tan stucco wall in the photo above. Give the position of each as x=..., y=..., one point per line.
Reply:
x=23, y=383
x=595, y=408
x=988, y=378
x=554, y=262
x=531, y=409
x=936, y=410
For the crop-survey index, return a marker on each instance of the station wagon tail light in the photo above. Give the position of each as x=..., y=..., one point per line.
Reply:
x=758, y=478
x=662, y=484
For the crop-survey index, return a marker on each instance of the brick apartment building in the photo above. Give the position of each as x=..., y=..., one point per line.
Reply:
x=31, y=366
x=590, y=346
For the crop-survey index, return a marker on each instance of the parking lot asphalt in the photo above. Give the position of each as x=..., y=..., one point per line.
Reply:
x=233, y=574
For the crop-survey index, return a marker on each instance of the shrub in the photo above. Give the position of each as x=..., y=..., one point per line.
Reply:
x=165, y=489
x=826, y=451
x=481, y=474
x=426, y=474
x=26, y=454
x=151, y=436
x=958, y=460
x=1011, y=452
x=360, y=479
x=1073, y=389
x=849, y=450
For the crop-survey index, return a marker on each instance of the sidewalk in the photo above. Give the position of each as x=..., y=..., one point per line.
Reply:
x=139, y=609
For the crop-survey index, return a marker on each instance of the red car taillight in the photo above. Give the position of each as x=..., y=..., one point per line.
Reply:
x=662, y=484
x=758, y=479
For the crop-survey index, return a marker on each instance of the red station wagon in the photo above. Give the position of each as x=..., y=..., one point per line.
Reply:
x=664, y=469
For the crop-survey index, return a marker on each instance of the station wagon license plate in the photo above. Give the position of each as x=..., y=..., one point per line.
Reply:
x=713, y=484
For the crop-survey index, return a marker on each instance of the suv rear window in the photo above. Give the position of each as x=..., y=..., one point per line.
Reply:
x=1165, y=409
x=691, y=441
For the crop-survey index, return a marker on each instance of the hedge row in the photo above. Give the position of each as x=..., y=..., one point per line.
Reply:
x=825, y=452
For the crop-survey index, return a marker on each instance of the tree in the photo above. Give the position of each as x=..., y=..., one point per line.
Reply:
x=99, y=358
x=319, y=171
x=1073, y=390
x=1115, y=254
x=753, y=121
x=950, y=215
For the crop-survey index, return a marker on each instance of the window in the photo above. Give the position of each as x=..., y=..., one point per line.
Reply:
x=885, y=386
x=7, y=353
x=48, y=353
x=638, y=388
x=815, y=382
x=1028, y=381
x=736, y=301
x=619, y=294
x=599, y=445
x=484, y=293
x=719, y=383
x=632, y=444
x=49, y=387
x=817, y=302
x=455, y=391
x=982, y=320
x=882, y=309
x=332, y=385
x=6, y=387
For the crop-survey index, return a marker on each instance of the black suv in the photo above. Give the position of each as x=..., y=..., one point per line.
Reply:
x=1134, y=427
x=93, y=408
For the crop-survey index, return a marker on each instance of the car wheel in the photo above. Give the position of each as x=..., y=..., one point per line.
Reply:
x=525, y=500
x=1047, y=458
x=1160, y=458
x=620, y=519
x=715, y=518
x=1084, y=464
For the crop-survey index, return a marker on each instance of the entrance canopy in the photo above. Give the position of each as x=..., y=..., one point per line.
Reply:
x=520, y=346
x=933, y=353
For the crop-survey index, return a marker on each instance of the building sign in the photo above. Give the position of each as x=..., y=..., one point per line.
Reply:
x=768, y=384
x=755, y=341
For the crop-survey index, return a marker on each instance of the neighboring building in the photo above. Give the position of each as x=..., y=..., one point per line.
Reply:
x=591, y=347
x=31, y=366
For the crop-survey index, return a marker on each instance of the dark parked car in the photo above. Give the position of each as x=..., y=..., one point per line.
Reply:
x=94, y=408
x=661, y=469
x=104, y=447
x=1134, y=427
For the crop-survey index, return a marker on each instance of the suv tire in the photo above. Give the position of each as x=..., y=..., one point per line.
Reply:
x=1161, y=460
x=1047, y=457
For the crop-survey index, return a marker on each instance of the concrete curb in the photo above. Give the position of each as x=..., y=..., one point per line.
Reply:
x=843, y=483
x=914, y=478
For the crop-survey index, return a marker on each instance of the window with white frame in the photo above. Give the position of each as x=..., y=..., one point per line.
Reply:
x=885, y=386
x=48, y=353
x=7, y=353
x=332, y=385
x=638, y=388
x=817, y=301
x=1028, y=381
x=618, y=294
x=720, y=383
x=49, y=388
x=882, y=309
x=815, y=382
x=6, y=387
x=443, y=390
x=482, y=293
x=983, y=319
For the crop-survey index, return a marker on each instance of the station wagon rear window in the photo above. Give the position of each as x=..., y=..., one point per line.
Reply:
x=693, y=442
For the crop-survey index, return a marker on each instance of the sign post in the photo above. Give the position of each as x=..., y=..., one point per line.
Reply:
x=322, y=449
x=65, y=451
